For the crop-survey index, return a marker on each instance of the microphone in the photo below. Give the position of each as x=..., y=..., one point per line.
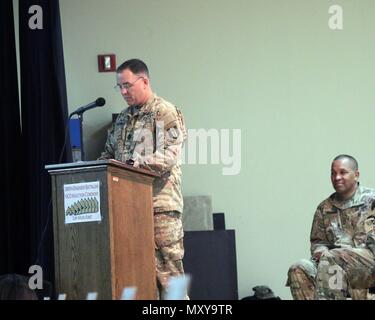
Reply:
x=97, y=103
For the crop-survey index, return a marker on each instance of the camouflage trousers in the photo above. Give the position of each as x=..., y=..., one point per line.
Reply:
x=169, y=249
x=340, y=273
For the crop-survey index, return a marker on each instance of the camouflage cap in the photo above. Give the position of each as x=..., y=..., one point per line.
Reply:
x=263, y=292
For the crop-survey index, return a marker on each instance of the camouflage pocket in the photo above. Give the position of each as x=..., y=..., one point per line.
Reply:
x=331, y=225
x=173, y=252
x=168, y=229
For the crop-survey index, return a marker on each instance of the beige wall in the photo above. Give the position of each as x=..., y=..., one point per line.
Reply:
x=299, y=92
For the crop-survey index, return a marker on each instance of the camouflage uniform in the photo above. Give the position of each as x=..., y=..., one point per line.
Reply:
x=343, y=231
x=151, y=136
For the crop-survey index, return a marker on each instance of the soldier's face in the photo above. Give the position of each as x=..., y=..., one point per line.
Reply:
x=134, y=87
x=344, y=178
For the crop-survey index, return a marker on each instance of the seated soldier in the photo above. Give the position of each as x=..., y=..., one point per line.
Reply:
x=342, y=240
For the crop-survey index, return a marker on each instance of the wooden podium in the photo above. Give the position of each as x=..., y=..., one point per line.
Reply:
x=103, y=252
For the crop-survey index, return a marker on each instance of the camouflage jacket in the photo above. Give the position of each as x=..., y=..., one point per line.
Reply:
x=152, y=136
x=339, y=224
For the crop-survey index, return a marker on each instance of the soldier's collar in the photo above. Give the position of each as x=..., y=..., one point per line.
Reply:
x=355, y=200
x=142, y=108
x=146, y=108
x=133, y=110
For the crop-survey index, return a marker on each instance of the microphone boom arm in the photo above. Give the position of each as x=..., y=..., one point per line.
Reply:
x=79, y=112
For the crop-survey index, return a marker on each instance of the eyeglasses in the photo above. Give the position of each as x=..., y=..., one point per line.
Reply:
x=120, y=86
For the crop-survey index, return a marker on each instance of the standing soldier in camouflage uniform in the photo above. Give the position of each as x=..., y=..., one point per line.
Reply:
x=342, y=240
x=149, y=134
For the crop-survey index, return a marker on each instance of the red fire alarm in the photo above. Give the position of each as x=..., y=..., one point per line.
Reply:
x=107, y=62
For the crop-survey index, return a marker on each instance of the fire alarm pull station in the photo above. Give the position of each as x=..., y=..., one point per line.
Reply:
x=107, y=62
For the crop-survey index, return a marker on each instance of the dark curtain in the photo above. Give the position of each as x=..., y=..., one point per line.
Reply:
x=44, y=117
x=14, y=219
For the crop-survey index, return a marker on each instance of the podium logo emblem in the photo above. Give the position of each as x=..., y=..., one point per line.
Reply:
x=82, y=202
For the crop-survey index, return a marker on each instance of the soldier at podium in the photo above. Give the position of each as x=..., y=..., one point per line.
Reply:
x=149, y=134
